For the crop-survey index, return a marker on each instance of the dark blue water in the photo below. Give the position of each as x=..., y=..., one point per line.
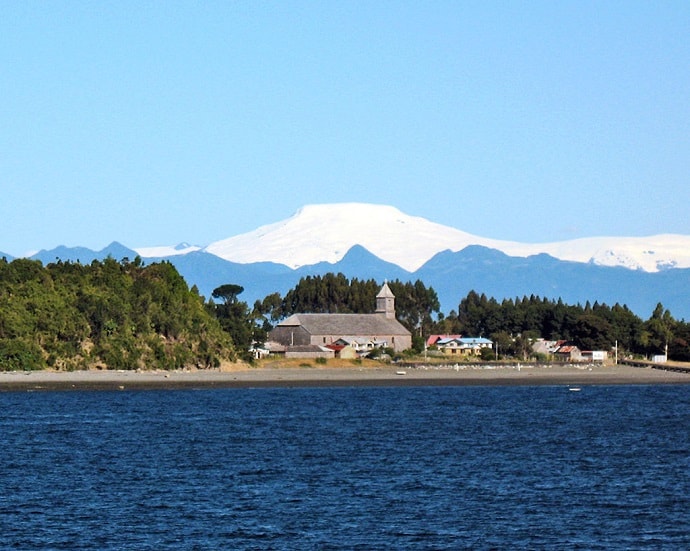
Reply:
x=359, y=468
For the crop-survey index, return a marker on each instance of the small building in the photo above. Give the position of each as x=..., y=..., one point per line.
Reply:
x=595, y=355
x=546, y=347
x=360, y=344
x=365, y=331
x=568, y=353
x=475, y=345
x=309, y=351
x=432, y=340
x=343, y=351
x=565, y=351
x=464, y=346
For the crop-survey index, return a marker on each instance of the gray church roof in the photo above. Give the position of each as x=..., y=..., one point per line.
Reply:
x=346, y=324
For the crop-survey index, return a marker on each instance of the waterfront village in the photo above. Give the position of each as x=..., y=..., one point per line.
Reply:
x=353, y=336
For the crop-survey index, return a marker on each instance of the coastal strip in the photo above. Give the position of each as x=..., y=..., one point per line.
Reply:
x=248, y=377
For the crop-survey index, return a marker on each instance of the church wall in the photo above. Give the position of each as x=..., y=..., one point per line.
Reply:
x=396, y=342
x=291, y=336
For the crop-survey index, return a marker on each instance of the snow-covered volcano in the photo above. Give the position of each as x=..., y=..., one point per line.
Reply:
x=318, y=233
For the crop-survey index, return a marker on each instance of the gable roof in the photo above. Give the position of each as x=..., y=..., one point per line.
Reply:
x=567, y=349
x=475, y=340
x=434, y=339
x=346, y=324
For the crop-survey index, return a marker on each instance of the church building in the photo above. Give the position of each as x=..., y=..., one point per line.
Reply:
x=380, y=329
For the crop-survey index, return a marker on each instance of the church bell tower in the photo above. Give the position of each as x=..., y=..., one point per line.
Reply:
x=385, y=302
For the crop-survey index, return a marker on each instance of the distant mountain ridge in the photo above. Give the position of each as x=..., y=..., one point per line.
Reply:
x=84, y=255
x=453, y=275
x=482, y=267
x=325, y=233
x=500, y=276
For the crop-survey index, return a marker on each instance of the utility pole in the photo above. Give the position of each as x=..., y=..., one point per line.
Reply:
x=616, y=360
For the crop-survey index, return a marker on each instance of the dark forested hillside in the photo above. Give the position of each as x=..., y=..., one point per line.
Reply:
x=108, y=314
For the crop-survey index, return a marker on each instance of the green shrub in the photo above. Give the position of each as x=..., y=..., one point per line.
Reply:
x=20, y=355
x=487, y=354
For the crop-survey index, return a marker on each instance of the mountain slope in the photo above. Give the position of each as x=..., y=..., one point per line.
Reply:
x=208, y=271
x=453, y=275
x=324, y=233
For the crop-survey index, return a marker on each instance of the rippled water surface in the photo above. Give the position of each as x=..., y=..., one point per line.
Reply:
x=347, y=468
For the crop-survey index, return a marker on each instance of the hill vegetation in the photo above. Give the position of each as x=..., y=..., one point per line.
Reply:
x=107, y=314
x=124, y=315
x=514, y=324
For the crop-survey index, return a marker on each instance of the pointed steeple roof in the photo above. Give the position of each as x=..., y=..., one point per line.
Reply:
x=385, y=292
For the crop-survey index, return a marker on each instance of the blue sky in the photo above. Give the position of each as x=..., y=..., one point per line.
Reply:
x=152, y=123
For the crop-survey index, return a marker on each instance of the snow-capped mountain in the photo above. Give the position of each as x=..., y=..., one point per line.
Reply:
x=324, y=233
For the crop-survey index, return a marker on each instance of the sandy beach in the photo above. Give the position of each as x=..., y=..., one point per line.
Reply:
x=248, y=377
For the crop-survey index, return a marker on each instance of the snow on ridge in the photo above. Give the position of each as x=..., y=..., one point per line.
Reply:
x=166, y=250
x=318, y=233
x=326, y=232
x=650, y=254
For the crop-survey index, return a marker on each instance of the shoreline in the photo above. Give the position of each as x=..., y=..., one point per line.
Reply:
x=295, y=377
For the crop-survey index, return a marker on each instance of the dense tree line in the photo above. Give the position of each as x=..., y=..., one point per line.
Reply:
x=117, y=315
x=512, y=323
